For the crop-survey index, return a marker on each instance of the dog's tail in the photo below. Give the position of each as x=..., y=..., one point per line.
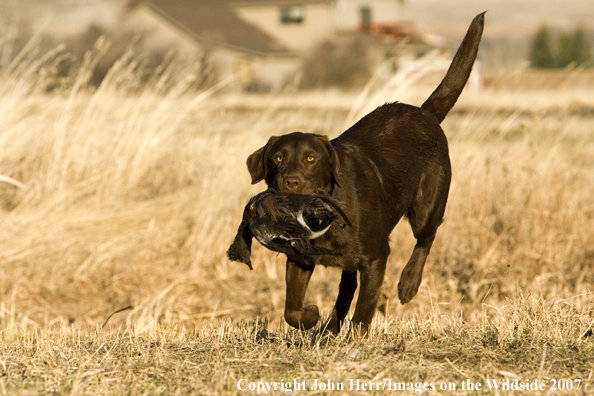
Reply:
x=445, y=96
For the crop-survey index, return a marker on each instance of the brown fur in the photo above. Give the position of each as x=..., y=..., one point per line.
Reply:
x=393, y=162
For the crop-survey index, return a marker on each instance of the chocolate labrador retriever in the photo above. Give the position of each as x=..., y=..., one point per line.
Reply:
x=393, y=162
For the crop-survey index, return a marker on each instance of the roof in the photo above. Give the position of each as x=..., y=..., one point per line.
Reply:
x=214, y=22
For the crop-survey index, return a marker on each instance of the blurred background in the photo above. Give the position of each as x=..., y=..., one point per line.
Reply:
x=268, y=45
x=126, y=127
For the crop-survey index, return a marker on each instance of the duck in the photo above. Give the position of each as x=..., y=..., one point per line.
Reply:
x=286, y=223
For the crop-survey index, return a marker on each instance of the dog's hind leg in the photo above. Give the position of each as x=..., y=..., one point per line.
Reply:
x=412, y=274
x=425, y=216
x=372, y=277
x=346, y=291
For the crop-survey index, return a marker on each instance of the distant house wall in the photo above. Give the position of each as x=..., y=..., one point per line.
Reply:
x=255, y=72
x=348, y=13
x=315, y=26
x=298, y=27
x=277, y=72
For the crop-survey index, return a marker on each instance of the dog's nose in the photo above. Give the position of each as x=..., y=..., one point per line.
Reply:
x=292, y=182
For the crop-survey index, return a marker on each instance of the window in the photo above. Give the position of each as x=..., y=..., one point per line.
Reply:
x=365, y=13
x=292, y=14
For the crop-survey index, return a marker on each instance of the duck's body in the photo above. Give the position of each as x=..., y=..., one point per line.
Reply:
x=285, y=223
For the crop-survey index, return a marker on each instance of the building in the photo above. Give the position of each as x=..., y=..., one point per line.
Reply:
x=262, y=42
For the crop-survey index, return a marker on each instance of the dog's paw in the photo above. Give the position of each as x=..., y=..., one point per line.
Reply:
x=407, y=290
x=303, y=319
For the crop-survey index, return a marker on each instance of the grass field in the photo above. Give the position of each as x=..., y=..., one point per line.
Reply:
x=132, y=195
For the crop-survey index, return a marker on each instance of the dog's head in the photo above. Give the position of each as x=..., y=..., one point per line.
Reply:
x=297, y=163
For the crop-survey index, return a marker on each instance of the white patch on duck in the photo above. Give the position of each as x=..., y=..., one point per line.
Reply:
x=315, y=234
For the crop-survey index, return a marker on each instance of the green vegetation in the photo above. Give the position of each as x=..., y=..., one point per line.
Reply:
x=571, y=49
x=542, y=54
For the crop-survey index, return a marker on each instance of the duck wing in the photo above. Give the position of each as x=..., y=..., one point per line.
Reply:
x=278, y=236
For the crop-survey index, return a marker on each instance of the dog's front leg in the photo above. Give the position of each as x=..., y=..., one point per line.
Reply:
x=297, y=279
x=372, y=277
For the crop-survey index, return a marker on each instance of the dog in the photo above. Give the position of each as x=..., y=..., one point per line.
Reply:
x=394, y=162
x=286, y=223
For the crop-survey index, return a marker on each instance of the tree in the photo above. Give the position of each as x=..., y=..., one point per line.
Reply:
x=342, y=63
x=575, y=49
x=542, y=55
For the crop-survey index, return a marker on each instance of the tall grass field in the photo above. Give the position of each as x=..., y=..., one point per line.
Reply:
x=117, y=205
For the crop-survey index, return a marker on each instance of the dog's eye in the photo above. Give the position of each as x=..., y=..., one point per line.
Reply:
x=279, y=158
x=311, y=158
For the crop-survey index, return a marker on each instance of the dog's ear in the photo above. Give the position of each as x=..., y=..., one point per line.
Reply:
x=257, y=162
x=334, y=161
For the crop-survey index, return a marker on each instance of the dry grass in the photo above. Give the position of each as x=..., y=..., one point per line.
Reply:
x=133, y=198
x=527, y=340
